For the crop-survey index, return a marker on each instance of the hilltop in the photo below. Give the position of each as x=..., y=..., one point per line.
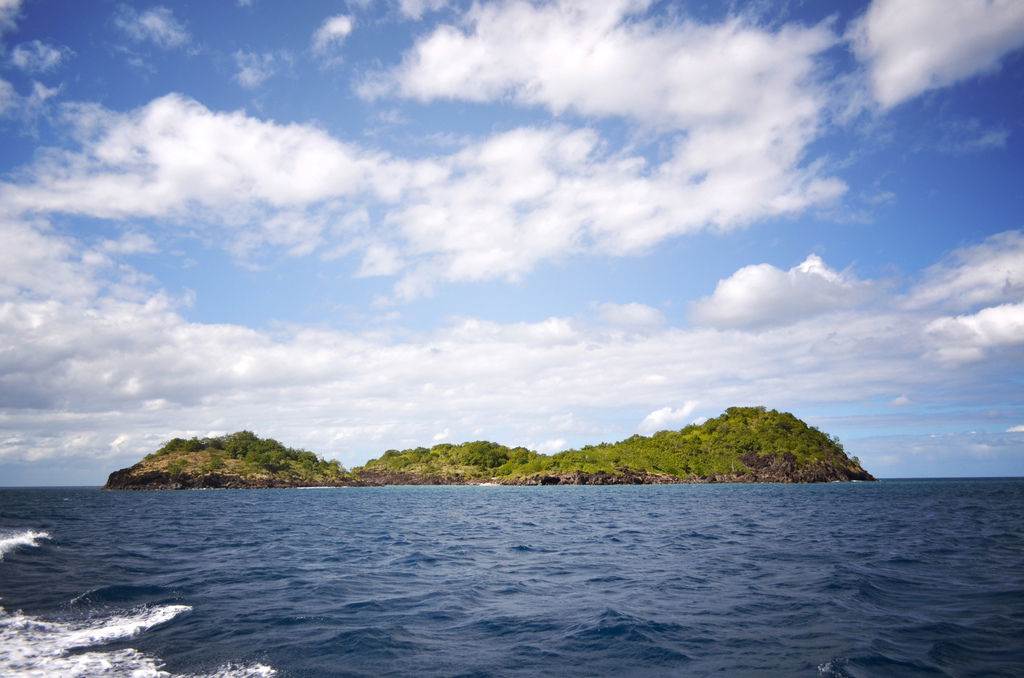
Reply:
x=236, y=460
x=745, y=444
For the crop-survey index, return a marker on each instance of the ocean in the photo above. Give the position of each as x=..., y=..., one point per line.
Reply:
x=895, y=578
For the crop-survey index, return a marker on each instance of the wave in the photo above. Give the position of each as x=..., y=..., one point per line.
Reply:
x=32, y=646
x=11, y=541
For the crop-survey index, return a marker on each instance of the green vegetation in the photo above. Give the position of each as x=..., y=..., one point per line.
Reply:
x=735, y=443
x=480, y=459
x=743, y=444
x=242, y=453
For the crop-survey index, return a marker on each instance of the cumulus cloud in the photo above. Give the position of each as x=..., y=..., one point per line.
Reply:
x=157, y=25
x=989, y=272
x=1015, y=429
x=545, y=192
x=36, y=56
x=489, y=210
x=332, y=33
x=746, y=97
x=603, y=64
x=173, y=152
x=965, y=338
x=666, y=418
x=912, y=46
x=738, y=106
x=763, y=295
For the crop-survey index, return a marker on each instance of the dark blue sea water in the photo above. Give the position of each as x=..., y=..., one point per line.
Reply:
x=897, y=578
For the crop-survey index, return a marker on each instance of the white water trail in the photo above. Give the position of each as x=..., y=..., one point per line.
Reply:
x=33, y=647
x=37, y=648
x=10, y=541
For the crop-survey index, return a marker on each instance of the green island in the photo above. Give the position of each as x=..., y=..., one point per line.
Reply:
x=744, y=444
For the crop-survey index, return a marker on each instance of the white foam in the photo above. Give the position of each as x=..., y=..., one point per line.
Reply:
x=34, y=647
x=12, y=540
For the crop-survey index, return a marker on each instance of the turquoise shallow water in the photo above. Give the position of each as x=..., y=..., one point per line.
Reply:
x=897, y=578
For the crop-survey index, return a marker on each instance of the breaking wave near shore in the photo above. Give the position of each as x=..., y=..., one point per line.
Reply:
x=74, y=645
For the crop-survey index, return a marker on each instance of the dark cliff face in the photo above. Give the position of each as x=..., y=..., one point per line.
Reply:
x=783, y=469
x=765, y=470
x=134, y=479
x=770, y=474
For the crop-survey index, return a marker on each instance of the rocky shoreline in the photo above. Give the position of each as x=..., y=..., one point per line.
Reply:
x=763, y=471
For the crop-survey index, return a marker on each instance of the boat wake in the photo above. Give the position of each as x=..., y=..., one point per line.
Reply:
x=13, y=540
x=31, y=646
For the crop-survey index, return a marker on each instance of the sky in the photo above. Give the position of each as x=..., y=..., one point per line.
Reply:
x=375, y=224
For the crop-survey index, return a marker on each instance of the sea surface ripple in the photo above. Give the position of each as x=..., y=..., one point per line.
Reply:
x=897, y=578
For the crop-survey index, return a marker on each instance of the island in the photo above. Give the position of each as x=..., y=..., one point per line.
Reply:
x=743, y=445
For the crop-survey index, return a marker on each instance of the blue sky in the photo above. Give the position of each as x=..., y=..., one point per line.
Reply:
x=356, y=226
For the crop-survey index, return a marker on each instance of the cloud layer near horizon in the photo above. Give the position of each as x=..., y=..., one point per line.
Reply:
x=96, y=350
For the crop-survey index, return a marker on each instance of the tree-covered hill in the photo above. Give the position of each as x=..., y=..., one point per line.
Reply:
x=239, y=459
x=745, y=444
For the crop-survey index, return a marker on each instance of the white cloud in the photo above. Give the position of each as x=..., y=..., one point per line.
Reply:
x=254, y=68
x=380, y=260
x=527, y=195
x=8, y=14
x=666, y=417
x=27, y=107
x=745, y=99
x=36, y=101
x=157, y=25
x=763, y=295
x=8, y=97
x=912, y=46
x=491, y=210
x=551, y=446
x=901, y=401
x=629, y=315
x=1015, y=429
x=604, y=64
x=965, y=338
x=415, y=9
x=989, y=272
x=40, y=264
x=130, y=243
x=173, y=153
x=332, y=33
x=36, y=56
